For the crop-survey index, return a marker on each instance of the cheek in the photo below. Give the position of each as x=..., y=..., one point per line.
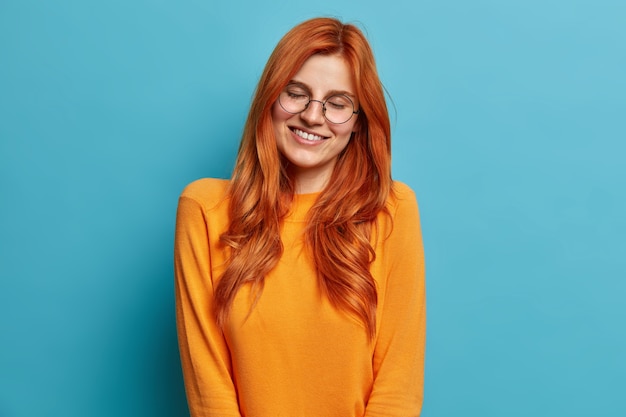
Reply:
x=342, y=142
x=343, y=131
x=278, y=120
x=278, y=114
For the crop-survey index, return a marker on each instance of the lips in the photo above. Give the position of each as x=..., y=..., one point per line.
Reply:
x=307, y=135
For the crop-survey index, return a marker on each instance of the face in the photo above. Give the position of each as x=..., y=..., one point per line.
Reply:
x=307, y=140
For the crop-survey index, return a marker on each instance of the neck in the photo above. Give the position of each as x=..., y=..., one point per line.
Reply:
x=308, y=182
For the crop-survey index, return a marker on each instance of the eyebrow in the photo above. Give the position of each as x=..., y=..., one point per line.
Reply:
x=328, y=94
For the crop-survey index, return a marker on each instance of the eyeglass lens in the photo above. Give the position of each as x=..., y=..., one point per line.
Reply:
x=337, y=109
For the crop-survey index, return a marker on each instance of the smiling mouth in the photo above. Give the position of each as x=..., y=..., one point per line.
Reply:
x=307, y=136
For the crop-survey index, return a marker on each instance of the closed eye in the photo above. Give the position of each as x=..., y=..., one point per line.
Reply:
x=297, y=96
x=339, y=102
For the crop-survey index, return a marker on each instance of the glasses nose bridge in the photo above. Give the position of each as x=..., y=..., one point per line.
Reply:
x=323, y=103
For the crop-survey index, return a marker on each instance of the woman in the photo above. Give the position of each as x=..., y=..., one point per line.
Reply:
x=300, y=282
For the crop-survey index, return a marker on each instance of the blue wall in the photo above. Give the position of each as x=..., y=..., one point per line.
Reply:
x=509, y=124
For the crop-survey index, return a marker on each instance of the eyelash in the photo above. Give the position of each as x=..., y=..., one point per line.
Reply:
x=296, y=95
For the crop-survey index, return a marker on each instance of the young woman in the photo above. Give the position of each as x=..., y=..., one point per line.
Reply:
x=300, y=281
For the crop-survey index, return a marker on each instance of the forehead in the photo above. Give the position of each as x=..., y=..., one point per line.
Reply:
x=324, y=73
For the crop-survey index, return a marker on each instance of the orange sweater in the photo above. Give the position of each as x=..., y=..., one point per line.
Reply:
x=296, y=355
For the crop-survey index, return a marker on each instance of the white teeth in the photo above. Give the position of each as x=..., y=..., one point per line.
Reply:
x=307, y=136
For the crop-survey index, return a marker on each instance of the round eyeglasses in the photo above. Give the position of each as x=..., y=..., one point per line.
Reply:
x=337, y=109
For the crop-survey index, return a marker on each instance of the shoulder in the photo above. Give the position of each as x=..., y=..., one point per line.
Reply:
x=208, y=192
x=401, y=196
x=402, y=213
x=402, y=190
x=401, y=220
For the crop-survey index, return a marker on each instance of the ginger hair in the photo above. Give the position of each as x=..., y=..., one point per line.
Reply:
x=341, y=222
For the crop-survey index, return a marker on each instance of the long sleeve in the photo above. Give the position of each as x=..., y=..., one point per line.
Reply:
x=204, y=354
x=292, y=353
x=398, y=361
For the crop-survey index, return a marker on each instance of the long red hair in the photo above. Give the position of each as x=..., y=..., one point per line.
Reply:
x=340, y=223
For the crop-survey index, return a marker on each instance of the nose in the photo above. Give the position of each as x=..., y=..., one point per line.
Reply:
x=312, y=115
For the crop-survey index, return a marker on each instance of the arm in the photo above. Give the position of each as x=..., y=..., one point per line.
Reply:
x=398, y=360
x=204, y=354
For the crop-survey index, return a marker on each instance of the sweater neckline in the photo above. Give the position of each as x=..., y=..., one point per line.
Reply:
x=301, y=205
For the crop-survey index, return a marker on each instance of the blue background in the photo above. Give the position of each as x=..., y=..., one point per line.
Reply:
x=509, y=124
